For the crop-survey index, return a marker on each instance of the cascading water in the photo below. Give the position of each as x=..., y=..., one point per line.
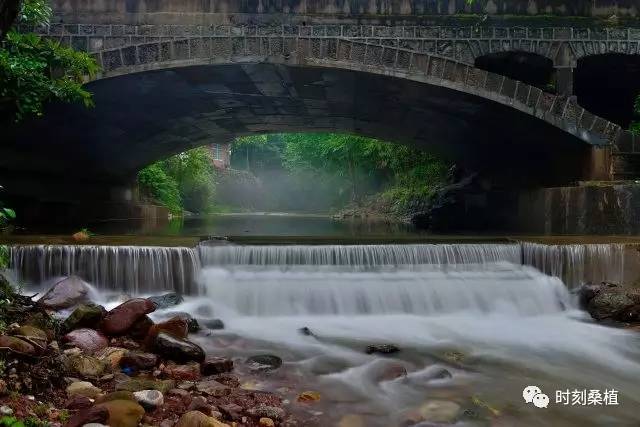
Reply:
x=131, y=269
x=577, y=264
x=475, y=324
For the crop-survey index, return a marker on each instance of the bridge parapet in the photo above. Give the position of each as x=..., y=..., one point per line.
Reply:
x=563, y=45
x=560, y=111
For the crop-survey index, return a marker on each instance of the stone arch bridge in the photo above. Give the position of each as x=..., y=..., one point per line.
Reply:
x=167, y=86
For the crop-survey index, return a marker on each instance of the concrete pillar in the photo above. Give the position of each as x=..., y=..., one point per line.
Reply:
x=564, y=80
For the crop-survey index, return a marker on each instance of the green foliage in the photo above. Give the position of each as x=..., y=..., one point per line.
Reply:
x=4, y=257
x=36, y=70
x=35, y=12
x=184, y=181
x=353, y=167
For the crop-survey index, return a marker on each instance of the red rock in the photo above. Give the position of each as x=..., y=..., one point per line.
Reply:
x=140, y=328
x=216, y=365
x=95, y=414
x=188, y=372
x=78, y=402
x=176, y=326
x=65, y=293
x=119, y=320
x=89, y=341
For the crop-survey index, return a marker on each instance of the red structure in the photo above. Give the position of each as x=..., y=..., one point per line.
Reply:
x=221, y=154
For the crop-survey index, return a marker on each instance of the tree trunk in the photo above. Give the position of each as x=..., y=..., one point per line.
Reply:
x=9, y=10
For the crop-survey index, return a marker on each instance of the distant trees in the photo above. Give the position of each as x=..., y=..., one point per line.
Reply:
x=185, y=181
x=35, y=70
x=352, y=167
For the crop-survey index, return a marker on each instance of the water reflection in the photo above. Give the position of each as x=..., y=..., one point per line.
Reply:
x=254, y=224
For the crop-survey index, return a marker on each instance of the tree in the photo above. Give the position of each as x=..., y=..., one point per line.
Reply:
x=184, y=181
x=35, y=70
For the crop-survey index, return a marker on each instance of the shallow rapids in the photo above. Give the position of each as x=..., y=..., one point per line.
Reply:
x=473, y=323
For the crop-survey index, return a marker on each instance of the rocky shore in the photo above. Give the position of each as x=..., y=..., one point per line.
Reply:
x=119, y=368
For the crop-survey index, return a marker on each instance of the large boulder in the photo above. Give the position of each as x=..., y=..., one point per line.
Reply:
x=612, y=302
x=66, y=293
x=119, y=320
x=89, y=341
x=84, y=316
x=177, y=349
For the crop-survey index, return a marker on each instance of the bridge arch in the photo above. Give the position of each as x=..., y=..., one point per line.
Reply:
x=158, y=98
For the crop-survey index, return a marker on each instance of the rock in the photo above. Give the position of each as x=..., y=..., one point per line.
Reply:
x=615, y=303
x=439, y=411
x=213, y=324
x=264, y=362
x=33, y=335
x=5, y=410
x=188, y=372
x=391, y=372
x=166, y=300
x=199, y=403
x=198, y=419
x=84, y=366
x=66, y=293
x=111, y=355
x=116, y=395
x=382, y=349
x=231, y=411
x=176, y=349
x=193, y=324
x=149, y=399
x=213, y=388
x=216, y=365
x=84, y=316
x=139, y=361
x=95, y=425
x=182, y=394
x=123, y=413
x=264, y=411
x=140, y=329
x=306, y=331
x=77, y=402
x=89, y=341
x=119, y=320
x=308, y=397
x=17, y=346
x=176, y=327
x=139, y=384
x=266, y=422
x=90, y=415
x=83, y=388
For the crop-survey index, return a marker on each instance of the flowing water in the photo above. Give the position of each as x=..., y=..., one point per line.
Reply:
x=475, y=324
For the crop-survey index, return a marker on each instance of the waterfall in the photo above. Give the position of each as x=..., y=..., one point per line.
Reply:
x=131, y=269
x=420, y=290
x=577, y=264
x=360, y=255
x=135, y=269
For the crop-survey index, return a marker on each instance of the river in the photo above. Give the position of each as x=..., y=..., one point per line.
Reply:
x=474, y=323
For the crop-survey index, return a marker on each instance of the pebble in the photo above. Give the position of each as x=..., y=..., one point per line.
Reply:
x=83, y=388
x=5, y=410
x=266, y=422
x=149, y=399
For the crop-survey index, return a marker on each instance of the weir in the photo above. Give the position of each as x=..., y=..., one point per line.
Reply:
x=153, y=269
